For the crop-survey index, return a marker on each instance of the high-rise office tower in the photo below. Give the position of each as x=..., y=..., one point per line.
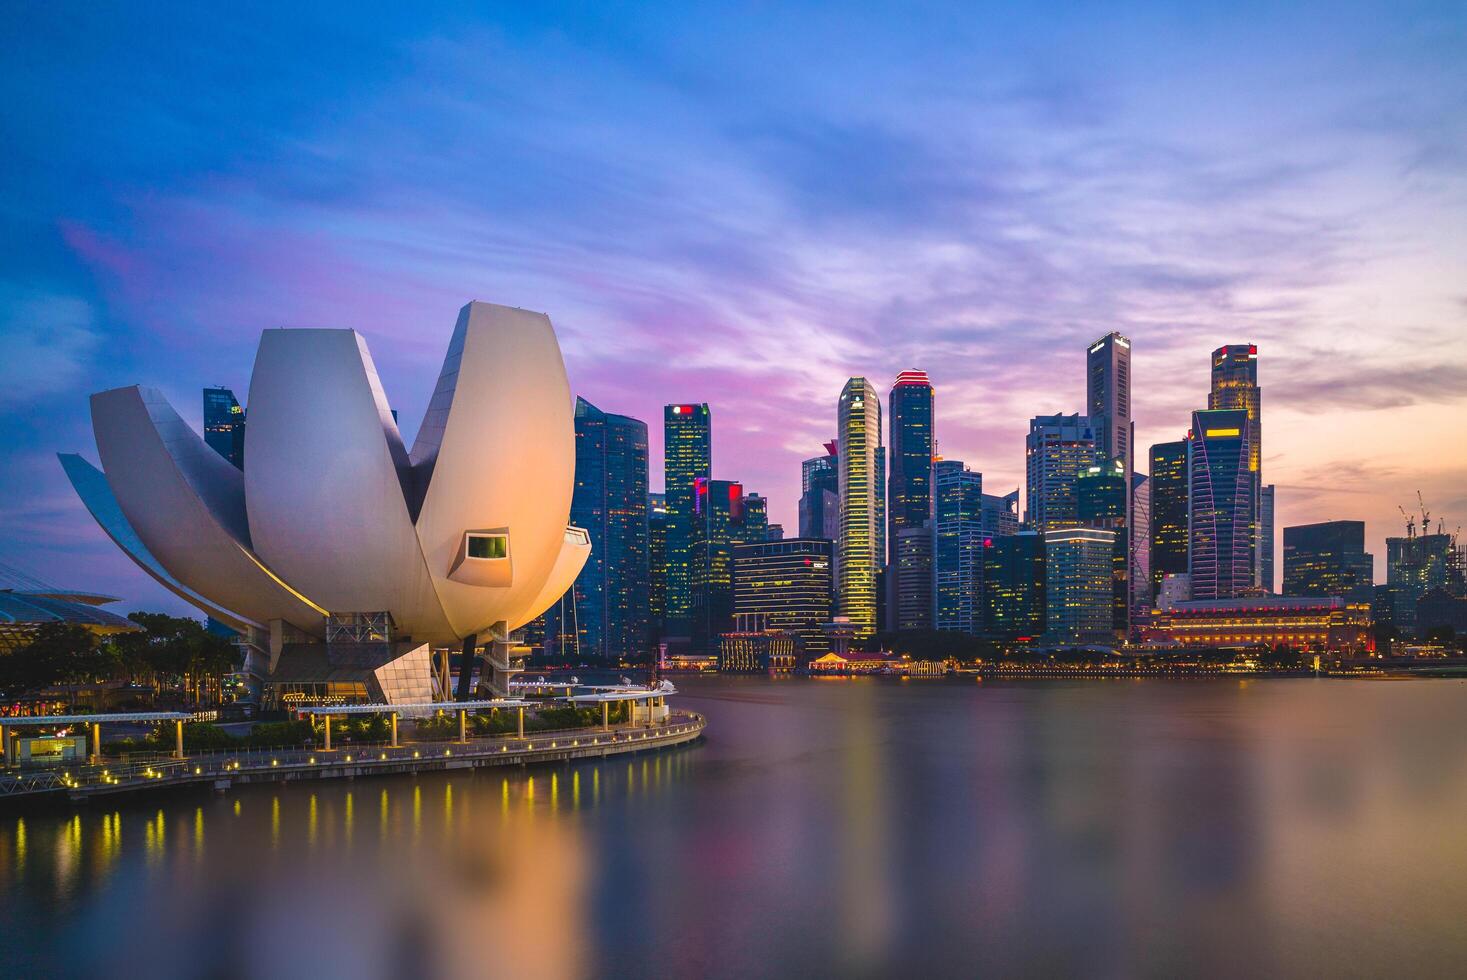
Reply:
x=1057, y=449
x=1140, y=570
x=756, y=518
x=1235, y=387
x=775, y=532
x=1078, y=585
x=1103, y=499
x=909, y=484
x=1328, y=559
x=718, y=527
x=1013, y=585
x=1000, y=514
x=913, y=578
x=1169, y=512
x=224, y=425
x=1265, y=538
x=687, y=432
x=657, y=559
x=861, y=465
x=1108, y=397
x=611, y=614
x=820, y=495
x=957, y=547
x=1223, y=537
x=1418, y=564
x=785, y=585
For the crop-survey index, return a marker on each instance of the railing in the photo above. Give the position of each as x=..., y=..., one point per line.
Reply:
x=229, y=762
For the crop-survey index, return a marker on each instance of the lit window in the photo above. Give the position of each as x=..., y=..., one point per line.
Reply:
x=488, y=546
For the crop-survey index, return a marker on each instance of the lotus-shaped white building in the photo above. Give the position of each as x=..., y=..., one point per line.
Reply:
x=342, y=557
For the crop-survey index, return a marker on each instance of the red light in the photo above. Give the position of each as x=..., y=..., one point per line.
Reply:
x=988, y=542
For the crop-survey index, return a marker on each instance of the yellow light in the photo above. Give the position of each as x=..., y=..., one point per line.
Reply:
x=1223, y=432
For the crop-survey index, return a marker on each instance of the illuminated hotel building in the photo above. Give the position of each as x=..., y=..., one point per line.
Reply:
x=1224, y=512
x=1169, y=509
x=788, y=586
x=1323, y=624
x=1328, y=559
x=861, y=466
x=1078, y=585
x=1235, y=387
x=1013, y=585
x=687, y=433
x=957, y=549
x=1057, y=449
x=606, y=614
x=224, y=425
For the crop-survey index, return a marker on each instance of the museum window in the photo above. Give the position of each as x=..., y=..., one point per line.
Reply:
x=488, y=546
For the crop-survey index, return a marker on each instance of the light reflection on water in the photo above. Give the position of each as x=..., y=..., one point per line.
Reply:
x=1151, y=827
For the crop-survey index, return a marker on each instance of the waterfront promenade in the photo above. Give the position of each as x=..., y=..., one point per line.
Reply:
x=223, y=769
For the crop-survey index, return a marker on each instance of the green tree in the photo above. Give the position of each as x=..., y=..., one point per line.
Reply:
x=60, y=653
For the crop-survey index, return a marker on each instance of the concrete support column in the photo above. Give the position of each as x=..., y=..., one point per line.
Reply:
x=178, y=739
x=605, y=714
x=328, y=732
x=96, y=742
x=463, y=726
x=5, y=743
x=522, y=723
x=394, y=729
x=466, y=668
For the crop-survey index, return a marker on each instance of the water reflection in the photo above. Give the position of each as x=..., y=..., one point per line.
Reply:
x=850, y=827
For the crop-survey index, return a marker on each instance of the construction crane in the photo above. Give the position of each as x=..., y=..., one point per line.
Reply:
x=1425, y=514
x=1410, y=522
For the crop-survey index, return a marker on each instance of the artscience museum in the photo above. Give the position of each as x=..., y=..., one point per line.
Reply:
x=348, y=563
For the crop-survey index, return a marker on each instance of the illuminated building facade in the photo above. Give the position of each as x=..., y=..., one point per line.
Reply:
x=224, y=425
x=756, y=518
x=1108, y=397
x=820, y=496
x=757, y=652
x=787, y=584
x=1102, y=496
x=687, y=432
x=1014, y=585
x=607, y=613
x=1235, y=388
x=657, y=559
x=1078, y=585
x=912, y=559
x=1265, y=539
x=1325, y=625
x=1418, y=564
x=909, y=485
x=1222, y=541
x=1170, y=496
x=1328, y=559
x=718, y=526
x=1057, y=449
x=957, y=548
x=1139, y=573
x=861, y=465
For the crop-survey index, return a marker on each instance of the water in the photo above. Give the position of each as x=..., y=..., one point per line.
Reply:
x=825, y=827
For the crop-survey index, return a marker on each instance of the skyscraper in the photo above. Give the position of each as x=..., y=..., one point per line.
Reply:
x=657, y=559
x=909, y=485
x=1418, y=564
x=1014, y=585
x=1222, y=543
x=1103, y=499
x=1056, y=450
x=1328, y=559
x=719, y=525
x=785, y=585
x=862, y=494
x=1108, y=397
x=1169, y=512
x=756, y=518
x=224, y=425
x=1235, y=387
x=1139, y=573
x=612, y=604
x=912, y=560
x=820, y=495
x=1078, y=588
x=687, y=432
x=1000, y=514
x=1265, y=538
x=957, y=548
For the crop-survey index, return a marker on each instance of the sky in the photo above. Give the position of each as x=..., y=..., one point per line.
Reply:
x=746, y=204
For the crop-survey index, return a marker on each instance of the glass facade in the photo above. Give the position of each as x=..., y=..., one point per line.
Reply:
x=786, y=586
x=718, y=527
x=1078, y=585
x=1169, y=512
x=609, y=616
x=819, y=496
x=687, y=432
x=1014, y=585
x=224, y=425
x=1222, y=541
x=1328, y=559
x=957, y=548
x=1235, y=388
x=1057, y=450
x=861, y=466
